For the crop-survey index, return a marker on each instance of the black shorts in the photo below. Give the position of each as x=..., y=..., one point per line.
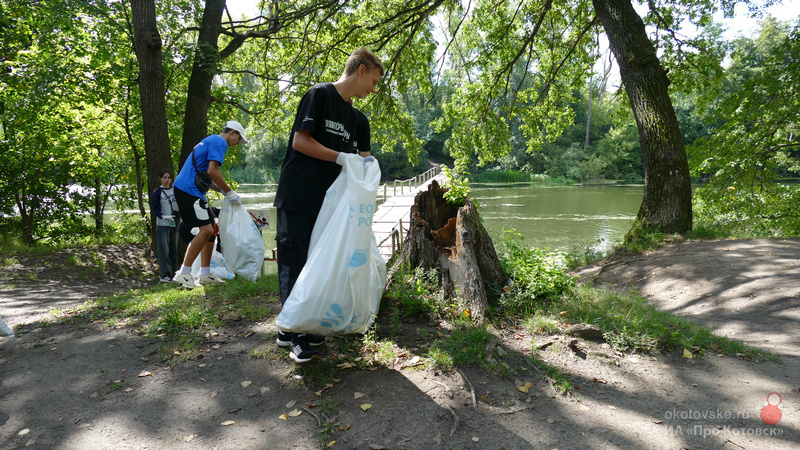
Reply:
x=193, y=210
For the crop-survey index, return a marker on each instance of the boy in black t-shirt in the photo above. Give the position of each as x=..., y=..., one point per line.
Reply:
x=327, y=129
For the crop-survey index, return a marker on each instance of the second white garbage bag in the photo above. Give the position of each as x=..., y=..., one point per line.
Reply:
x=340, y=287
x=242, y=245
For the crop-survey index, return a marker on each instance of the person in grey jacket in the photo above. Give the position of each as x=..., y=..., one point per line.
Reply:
x=165, y=211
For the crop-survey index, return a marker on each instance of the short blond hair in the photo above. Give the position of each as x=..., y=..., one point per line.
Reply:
x=362, y=56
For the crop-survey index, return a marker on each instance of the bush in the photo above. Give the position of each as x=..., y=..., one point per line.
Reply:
x=534, y=273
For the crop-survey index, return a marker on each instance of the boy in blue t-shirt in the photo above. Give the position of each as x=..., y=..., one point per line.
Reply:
x=208, y=155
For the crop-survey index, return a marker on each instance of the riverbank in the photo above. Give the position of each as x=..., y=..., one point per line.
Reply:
x=85, y=384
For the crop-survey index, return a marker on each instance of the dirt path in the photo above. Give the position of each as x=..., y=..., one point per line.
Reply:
x=81, y=385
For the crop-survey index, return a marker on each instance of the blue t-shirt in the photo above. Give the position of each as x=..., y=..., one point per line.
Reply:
x=212, y=148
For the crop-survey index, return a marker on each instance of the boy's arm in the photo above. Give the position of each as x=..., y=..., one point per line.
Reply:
x=304, y=143
x=216, y=177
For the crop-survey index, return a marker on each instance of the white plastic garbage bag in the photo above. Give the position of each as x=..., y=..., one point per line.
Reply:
x=5, y=330
x=340, y=287
x=242, y=245
x=219, y=266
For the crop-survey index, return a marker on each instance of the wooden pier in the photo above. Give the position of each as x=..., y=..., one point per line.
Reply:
x=391, y=219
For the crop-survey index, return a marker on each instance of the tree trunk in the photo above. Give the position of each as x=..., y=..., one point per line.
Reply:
x=453, y=241
x=588, y=116
x=98, y=207
x=206, y=59
x=147, y=44
x=667, y=202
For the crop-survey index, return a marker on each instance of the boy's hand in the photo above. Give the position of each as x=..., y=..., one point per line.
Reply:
x=342, y=157
x=233, y=197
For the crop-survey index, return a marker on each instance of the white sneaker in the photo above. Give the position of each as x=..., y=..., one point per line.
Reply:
x=184, y=280
x=165, y=279
x=210, y=279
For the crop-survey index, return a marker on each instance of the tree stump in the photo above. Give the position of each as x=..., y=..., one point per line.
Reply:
x=454, y=241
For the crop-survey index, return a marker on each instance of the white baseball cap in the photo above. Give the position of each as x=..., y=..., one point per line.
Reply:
x=234, y=125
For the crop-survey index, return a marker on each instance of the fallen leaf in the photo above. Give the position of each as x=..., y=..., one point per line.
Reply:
x=245, y=383
x=357, y=395
x=528, y=384
x=330, y=444
x=656, y=421
x=346, y=365
x=550, y=421
x=476, y=439
x=366, y=406
x=291, y=404
x=282, y=417
x=600, y=380
x=145, y=374
x=189, y=437
x=54, y=348
x=264, y=390
x=128, y=389
x=687, y=354
x=201, y=365
x=24, y=432
x=227, y=423
x=523, y=389
x=214, y=393
x=295, y=412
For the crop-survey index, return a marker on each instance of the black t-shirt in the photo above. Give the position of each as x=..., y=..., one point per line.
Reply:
x=333, y=123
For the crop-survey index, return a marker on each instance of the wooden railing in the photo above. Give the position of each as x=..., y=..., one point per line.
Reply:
x=397, y=235
x=411, y=183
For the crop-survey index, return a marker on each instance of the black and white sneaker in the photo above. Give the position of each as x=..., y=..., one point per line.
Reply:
x=301, y=350
x=284, y=339
x=315, y=340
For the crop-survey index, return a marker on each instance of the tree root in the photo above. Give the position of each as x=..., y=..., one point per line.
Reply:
x=496, y=410
x=471, y=389
x=319, y=421
x=457, y=420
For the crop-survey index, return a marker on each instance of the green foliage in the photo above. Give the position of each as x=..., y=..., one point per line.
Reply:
x=534, y=274
x=457, y=184
x=418, y=293
x=755, y=141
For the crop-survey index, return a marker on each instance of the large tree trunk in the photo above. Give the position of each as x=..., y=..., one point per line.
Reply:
x=667, y=202
x=147, y=44
x=205, y=66
x=453, y=241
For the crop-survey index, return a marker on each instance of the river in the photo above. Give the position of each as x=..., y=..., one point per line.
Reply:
x=552, y=216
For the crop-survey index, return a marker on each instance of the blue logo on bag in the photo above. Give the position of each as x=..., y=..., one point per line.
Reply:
x=333, y=320
x=359, y=258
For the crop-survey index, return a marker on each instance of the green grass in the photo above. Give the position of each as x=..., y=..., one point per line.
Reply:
x=464, y=347
x=182, y=316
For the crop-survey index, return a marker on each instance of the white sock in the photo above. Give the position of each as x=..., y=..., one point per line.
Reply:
x=185, y=270
x=205, y=271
